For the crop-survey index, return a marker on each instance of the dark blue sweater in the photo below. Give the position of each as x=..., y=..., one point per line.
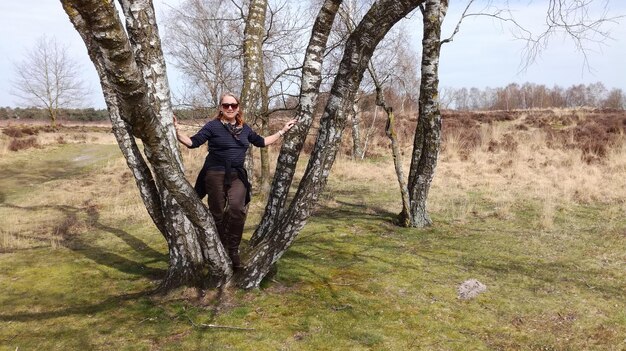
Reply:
x=225, y=153
x=223, y=146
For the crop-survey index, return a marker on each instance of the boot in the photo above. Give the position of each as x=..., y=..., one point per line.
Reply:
x=235, y=259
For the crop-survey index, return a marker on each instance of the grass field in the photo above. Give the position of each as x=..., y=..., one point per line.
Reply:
x=542, y=226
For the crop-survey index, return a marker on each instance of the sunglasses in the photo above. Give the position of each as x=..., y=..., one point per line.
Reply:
x=233, y=106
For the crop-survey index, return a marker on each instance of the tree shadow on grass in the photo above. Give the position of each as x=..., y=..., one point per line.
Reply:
x=109, y=303
x=444, y=253
x=97, y=254
x=347, y=210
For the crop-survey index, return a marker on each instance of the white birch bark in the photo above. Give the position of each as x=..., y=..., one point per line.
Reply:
x=428, y=133
x=294, y=139
x=359, y=48
x=133, y=97
x=254, y=90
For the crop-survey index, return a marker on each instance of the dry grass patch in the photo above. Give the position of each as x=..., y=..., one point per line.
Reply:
x=45, y=200
x=508, y=165
x=24, y=136
x=552, y=258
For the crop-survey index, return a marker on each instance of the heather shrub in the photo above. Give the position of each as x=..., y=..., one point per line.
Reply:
x=17, y=144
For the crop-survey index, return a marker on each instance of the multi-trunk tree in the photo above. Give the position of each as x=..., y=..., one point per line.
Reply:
x=130, y=64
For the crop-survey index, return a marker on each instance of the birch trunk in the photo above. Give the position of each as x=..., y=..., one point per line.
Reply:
x=390, y=131
x=427, y=141
x=132, y=75
x=294, y=140
x=254, y=88
x=357, y=150
x=358, y=51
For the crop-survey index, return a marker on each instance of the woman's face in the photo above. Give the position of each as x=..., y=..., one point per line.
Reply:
x=229, y=108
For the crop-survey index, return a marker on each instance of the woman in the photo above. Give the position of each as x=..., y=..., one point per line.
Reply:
x=223, y=177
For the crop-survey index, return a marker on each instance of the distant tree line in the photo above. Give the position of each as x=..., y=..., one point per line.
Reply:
x=511, y=97
x=531, y=95
x=41, y=114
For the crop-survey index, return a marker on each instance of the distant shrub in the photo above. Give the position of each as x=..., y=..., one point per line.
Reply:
x=28, y=130
x=13, y=132
x=50, y=129
x=508, y=144
x=79, y=137
x=18, y=132
x=593, y=140
x=17, y=144
x=5, y=112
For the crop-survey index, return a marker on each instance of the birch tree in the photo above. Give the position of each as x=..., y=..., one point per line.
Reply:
x=386, y=63
x=254, y=98
x=427, y=142
x=130, y=64
x=570, y=17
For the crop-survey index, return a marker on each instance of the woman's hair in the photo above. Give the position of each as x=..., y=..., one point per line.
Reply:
x=238, y=117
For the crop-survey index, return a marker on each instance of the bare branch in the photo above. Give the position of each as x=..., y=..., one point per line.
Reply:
x=572, y=18
x=458, y=25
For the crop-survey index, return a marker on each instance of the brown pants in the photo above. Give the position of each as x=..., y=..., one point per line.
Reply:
x=228, y=209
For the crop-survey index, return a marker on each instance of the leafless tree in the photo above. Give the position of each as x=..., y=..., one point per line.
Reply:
x=131, y=67
x=569, y=16
x=576, y=95
x=49, y=78
x=584, y=22
x=615, y=100
x=204, y=39
x=530, y=95
x=446, y=97
x=427, y=140
x=392, y=63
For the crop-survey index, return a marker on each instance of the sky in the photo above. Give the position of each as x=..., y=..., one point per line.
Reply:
x=483, y=54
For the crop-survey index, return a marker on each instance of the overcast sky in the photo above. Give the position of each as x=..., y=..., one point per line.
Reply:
x=483, y=54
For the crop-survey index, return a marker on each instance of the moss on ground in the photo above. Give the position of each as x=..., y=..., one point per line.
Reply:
x=351, y=281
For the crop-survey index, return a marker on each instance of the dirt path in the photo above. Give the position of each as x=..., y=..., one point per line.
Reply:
x=22, y=172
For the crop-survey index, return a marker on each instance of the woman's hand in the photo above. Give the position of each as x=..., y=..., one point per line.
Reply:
x=288, y=125
x=269, y=140
x=181, y=136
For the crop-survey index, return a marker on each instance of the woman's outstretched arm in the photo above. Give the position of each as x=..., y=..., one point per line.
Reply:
x=274, y=137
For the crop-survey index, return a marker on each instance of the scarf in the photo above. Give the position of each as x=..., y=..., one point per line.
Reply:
x=233, y=129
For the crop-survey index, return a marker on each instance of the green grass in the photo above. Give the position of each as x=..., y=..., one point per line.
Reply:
x=351, y=281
